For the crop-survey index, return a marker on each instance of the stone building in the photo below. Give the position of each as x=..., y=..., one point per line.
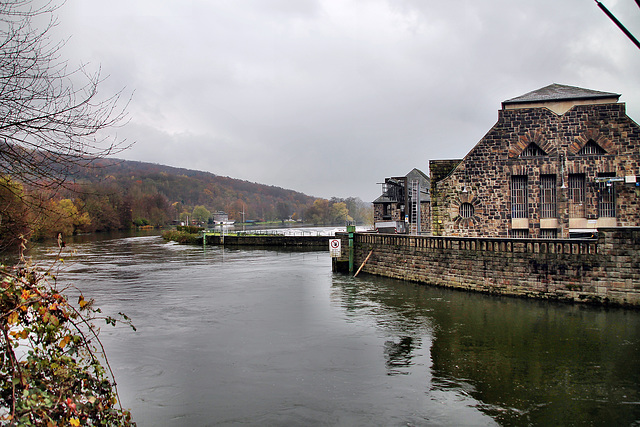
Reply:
x=396, y=210
x=561, y=161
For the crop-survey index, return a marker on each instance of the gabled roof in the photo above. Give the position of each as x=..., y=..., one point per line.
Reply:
x=415, y=172
x=385, y=199
x=556, y=92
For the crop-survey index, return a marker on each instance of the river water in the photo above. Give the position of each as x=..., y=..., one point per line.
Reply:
x=271, y=337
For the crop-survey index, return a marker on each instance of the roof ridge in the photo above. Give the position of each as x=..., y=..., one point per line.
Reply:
x=558, y=92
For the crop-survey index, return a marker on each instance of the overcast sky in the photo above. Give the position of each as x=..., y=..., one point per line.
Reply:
x=329, y=97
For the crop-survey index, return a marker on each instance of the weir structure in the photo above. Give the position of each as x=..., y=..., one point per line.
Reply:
x=275, y=240
x=605, y=270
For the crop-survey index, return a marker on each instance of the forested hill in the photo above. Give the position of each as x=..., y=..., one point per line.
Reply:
x=117, y=194
x=190, y=186
x=183, y=189
x=120, y=194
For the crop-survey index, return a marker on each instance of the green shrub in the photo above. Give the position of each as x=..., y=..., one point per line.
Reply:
x=182, y=237
x=53, y=370
x=189, y=229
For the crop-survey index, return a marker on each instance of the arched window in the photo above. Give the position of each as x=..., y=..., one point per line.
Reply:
x=591, y=148
x=533, y=150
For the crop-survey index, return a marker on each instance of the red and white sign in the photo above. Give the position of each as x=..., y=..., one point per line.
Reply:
x=335, y=246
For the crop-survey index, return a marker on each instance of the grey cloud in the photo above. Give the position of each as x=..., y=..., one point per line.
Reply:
x=329, y=97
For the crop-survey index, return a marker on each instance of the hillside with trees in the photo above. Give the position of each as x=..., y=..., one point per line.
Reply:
x=161, y=194
x=116, y=194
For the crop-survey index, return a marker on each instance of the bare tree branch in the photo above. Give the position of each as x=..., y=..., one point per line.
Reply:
x=52, y=117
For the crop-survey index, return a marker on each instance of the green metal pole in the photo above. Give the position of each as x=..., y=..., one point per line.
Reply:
x=351, y=229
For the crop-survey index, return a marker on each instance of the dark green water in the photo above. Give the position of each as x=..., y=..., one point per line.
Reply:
x=261, y=337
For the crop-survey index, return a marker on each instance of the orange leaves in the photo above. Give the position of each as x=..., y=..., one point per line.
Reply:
x=82, y=302
x=59, y=307
x=21, y=335
x=64, y=341
x=13, y=317
x=49, y=317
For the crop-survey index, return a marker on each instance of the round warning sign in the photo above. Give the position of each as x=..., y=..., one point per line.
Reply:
x=334, y=247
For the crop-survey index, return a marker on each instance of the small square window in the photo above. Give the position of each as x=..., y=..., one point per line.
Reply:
x=466, y=210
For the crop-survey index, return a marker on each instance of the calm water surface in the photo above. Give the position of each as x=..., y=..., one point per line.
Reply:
x=266, y=337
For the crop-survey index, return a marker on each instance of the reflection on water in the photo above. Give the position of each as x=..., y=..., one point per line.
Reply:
x=261, y=337
x=399, y=354
x=524, y=362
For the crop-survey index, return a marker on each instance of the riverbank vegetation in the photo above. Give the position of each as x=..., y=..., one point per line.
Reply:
x=120, y=195
x=53, y=370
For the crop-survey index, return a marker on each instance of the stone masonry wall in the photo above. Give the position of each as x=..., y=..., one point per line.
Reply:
x=603, y=271
x=483, y=177
x=439, y=170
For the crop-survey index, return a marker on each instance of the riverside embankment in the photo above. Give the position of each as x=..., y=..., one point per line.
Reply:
x=605, y=270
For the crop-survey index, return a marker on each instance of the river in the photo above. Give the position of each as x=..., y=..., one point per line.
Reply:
x=270, y=337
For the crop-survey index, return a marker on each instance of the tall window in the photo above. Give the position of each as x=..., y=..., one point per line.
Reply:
x=576, y=195
x=519, y=205
x=548, y=196
x=386, y=211
x=607, y=197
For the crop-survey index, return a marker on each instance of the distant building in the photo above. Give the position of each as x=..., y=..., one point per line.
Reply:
x=404, y=205
x=222, y=218
x=561, y=161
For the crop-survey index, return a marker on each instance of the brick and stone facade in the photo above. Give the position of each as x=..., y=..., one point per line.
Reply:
x=559, y=161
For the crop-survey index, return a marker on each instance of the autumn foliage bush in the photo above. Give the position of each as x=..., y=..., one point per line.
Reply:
x=53, y=370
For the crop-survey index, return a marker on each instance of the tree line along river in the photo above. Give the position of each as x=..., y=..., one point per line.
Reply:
x=272, y=337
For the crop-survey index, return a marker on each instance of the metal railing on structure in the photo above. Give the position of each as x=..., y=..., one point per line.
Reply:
x=275, y=232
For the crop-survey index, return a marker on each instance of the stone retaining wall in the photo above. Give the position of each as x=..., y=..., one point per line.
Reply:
x=604, y=271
